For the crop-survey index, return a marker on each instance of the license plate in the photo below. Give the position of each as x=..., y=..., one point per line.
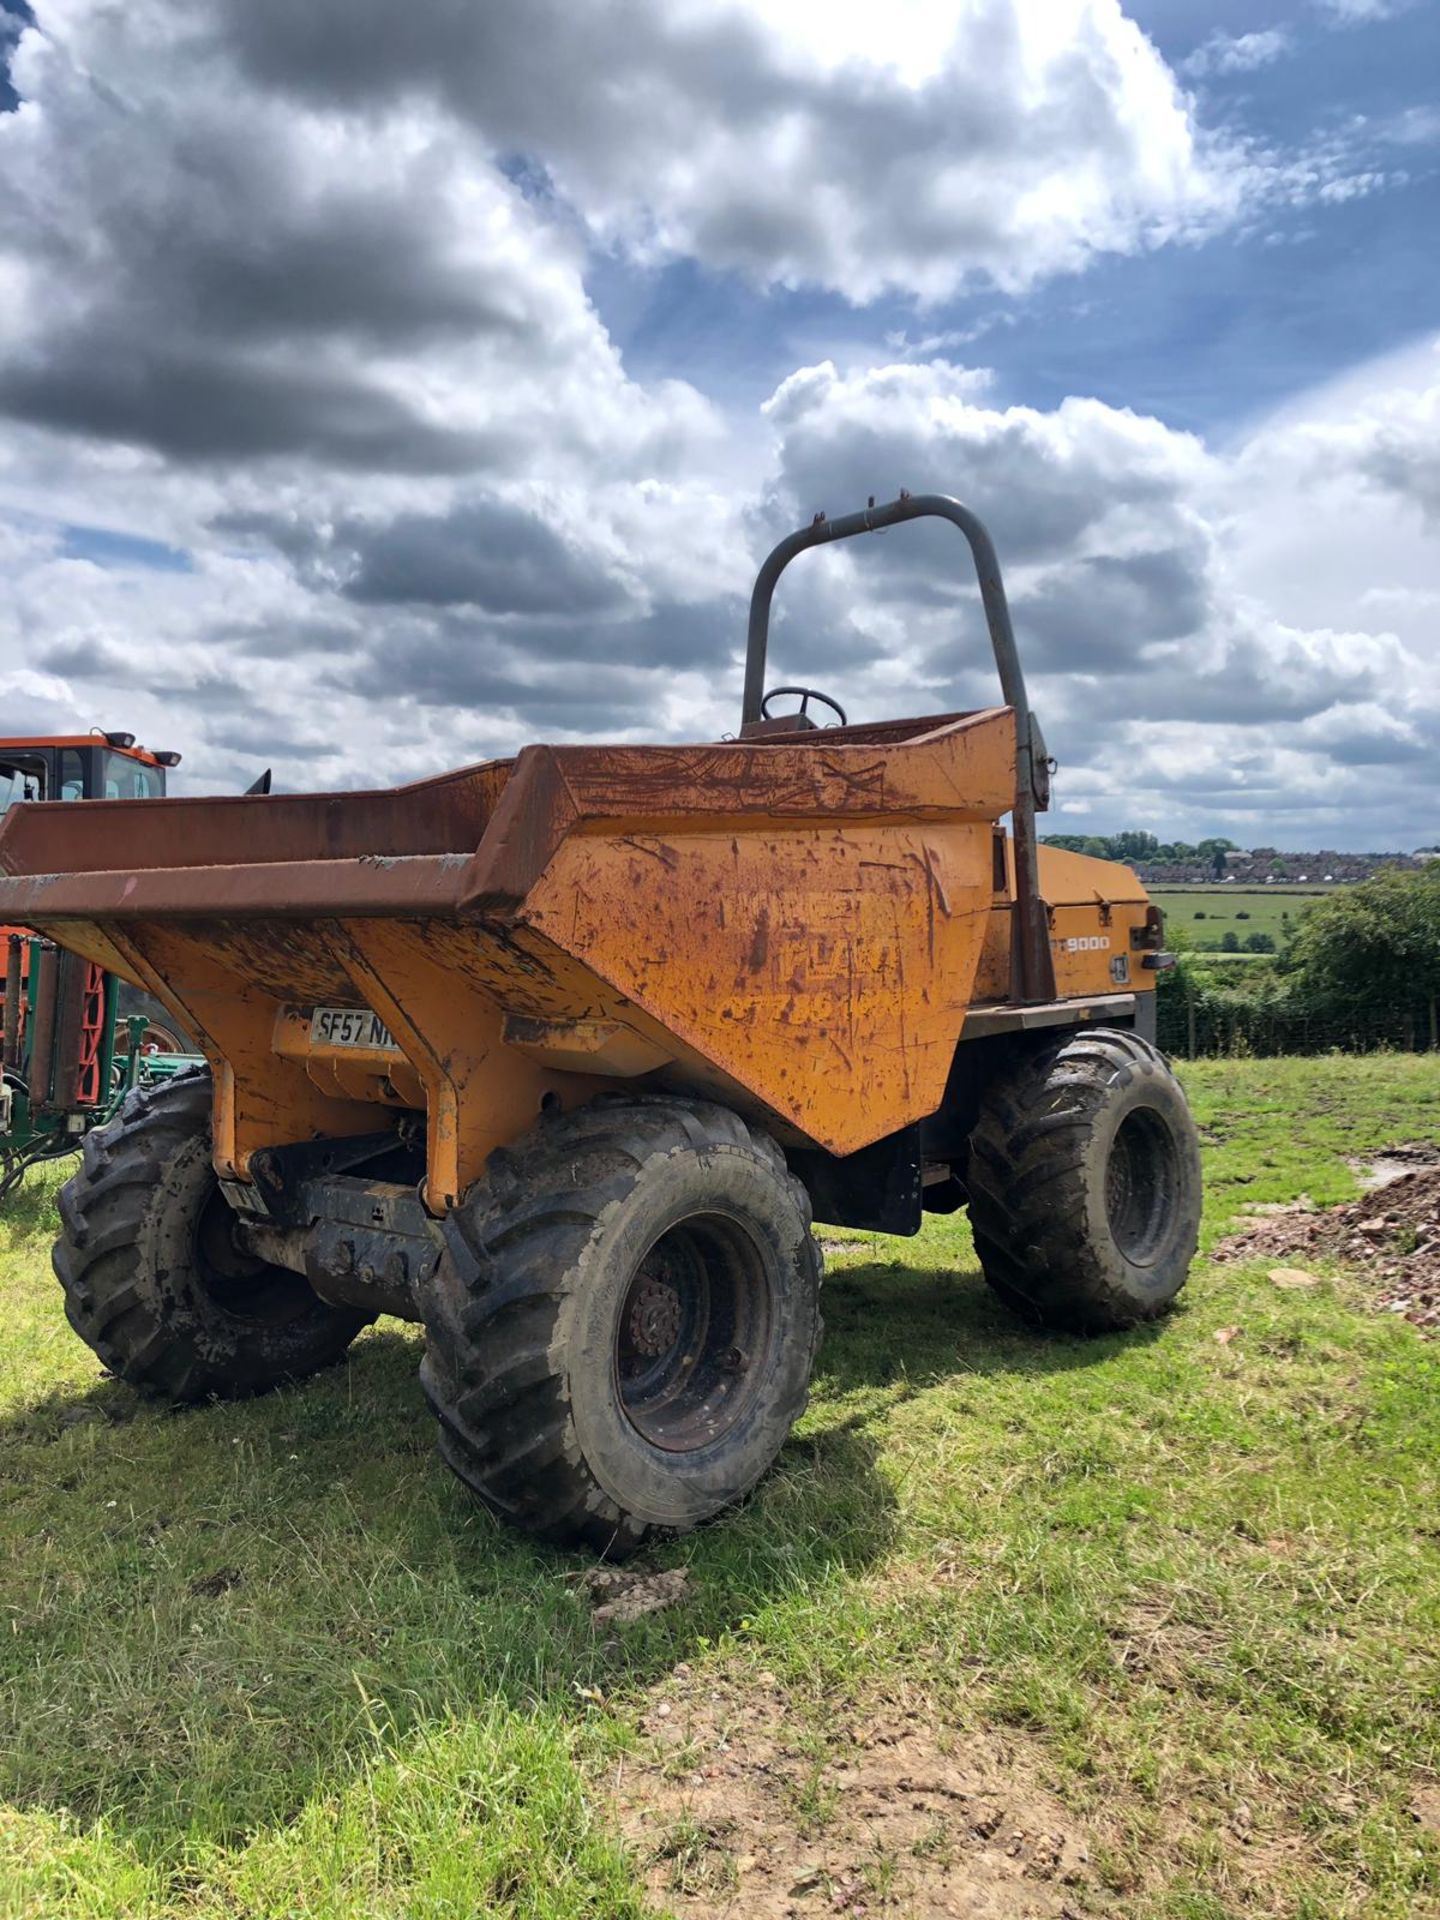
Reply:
x=351, y=1027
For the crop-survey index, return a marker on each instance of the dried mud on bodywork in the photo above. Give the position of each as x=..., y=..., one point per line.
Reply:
x=1390, y=1236
x=730, y=1812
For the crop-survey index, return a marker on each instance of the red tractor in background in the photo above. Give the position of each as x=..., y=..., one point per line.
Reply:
x=73, y=1038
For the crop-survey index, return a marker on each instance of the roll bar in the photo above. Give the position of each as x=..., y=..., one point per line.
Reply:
x=1032, y=966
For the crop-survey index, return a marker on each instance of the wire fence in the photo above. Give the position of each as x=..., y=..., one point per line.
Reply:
x=1197, y=1019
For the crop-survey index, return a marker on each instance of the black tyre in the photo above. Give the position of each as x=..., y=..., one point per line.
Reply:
x=1084, y=1183
x=153, y=1279
x=623, y=1330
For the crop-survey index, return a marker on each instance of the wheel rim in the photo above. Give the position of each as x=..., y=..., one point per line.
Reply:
x=693, y=1335
x=1141, y=1179
x=236, y=1281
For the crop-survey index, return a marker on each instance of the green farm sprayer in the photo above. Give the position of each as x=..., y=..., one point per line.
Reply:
x=74, y=1039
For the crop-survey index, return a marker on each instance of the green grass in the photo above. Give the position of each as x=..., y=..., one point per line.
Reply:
x=1266, y=908
x=267, y=1660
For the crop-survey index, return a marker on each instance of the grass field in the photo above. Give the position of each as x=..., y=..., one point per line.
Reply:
x=266, y=1659
x=1265, y=909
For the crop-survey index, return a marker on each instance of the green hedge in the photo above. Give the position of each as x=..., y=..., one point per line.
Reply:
x=1199, y=1015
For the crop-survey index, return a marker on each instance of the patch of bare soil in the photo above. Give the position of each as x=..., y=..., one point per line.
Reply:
x=210, y=1586
x=732, y=1813
x=1391, y=1234
x=1425, y=1808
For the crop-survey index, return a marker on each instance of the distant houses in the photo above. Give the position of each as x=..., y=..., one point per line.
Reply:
x=1270, y=866
x=1177, y=864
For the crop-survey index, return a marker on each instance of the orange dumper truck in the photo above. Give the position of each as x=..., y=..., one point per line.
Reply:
x=564, y=1055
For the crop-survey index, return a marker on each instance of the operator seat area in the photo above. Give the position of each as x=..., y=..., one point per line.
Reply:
x=779, y=723
x=802, y=721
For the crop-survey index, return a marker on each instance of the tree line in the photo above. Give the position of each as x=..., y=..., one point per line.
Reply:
x=1132, y=846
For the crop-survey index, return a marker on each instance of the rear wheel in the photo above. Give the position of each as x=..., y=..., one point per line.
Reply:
x=1084, y=1183
x=154, y=1280
x=622, y=1333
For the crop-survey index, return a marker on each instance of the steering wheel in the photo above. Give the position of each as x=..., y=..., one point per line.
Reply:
x=806, y=695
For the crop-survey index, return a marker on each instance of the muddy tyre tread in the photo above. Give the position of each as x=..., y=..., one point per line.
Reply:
x=137, y=1321
x=1030, y=1184
x=494, y=1372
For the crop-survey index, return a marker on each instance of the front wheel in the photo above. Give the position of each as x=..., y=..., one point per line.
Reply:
x=154, y=1280
x=622, y=1332
x=1084, y=1183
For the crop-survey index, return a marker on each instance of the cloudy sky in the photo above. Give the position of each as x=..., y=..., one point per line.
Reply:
x=382, y=387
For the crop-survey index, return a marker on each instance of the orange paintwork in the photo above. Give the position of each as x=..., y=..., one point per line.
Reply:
x=826, y=968
x=798, y=926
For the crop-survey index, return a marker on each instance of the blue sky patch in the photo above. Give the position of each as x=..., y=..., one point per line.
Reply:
x=12, y=14
x=108, y=549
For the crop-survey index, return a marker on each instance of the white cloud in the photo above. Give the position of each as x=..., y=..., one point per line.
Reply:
x=204, y=270
x=1413, y=127
x=1226, y=53
x=1384, y=440
x=1361, y=13
x=914, y=146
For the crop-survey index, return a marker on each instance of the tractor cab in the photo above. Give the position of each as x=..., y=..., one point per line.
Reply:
x=93, y=766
